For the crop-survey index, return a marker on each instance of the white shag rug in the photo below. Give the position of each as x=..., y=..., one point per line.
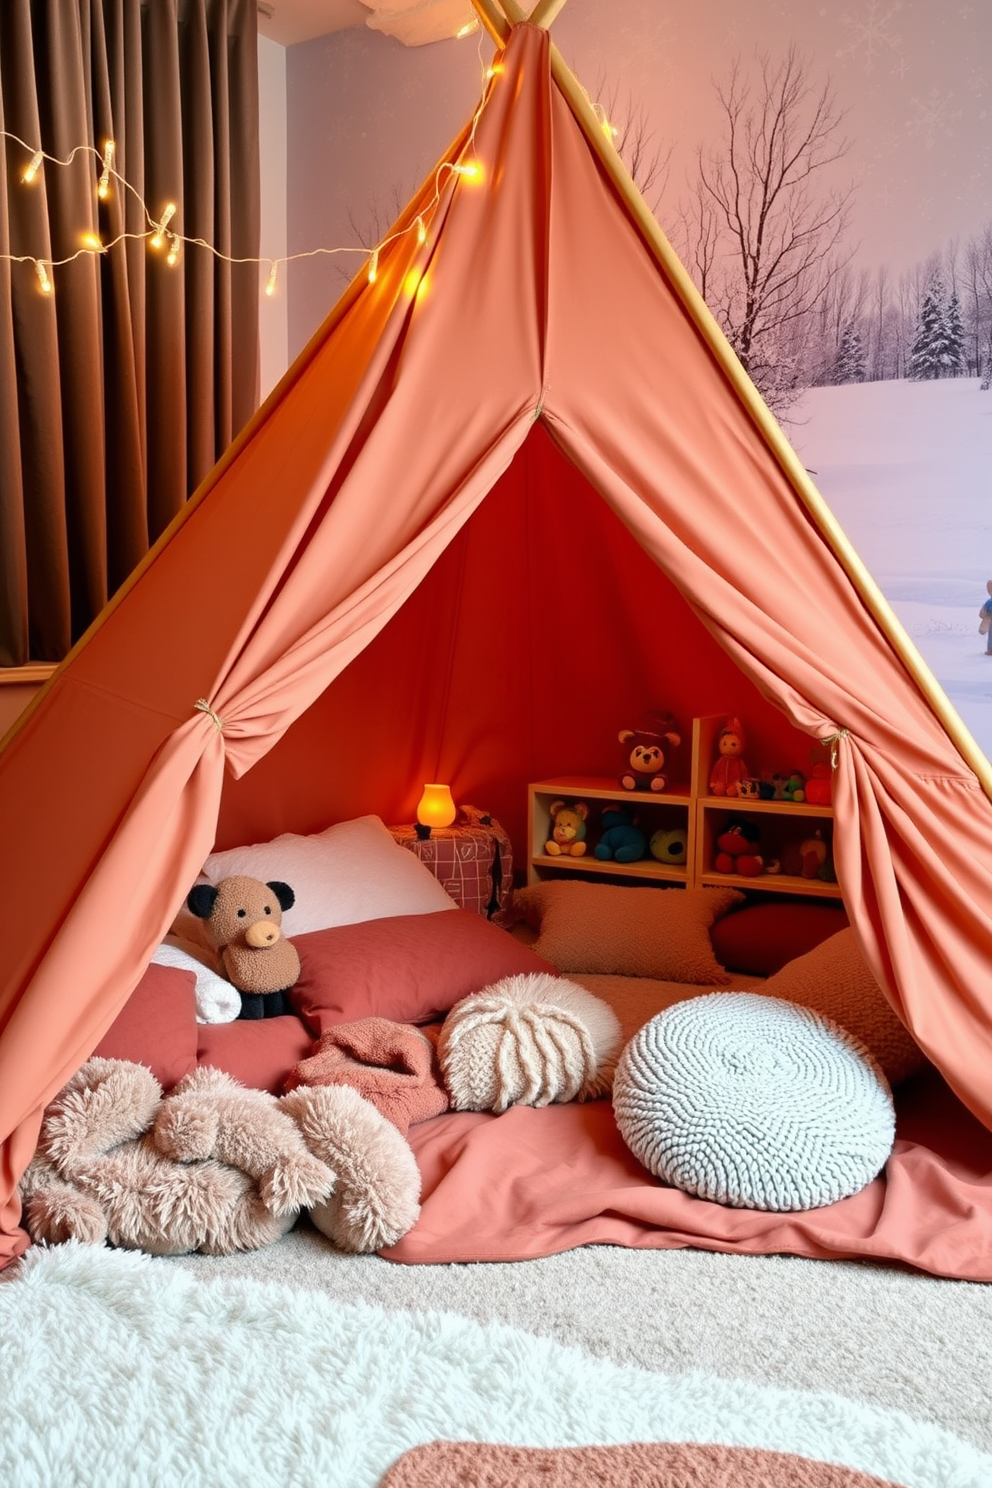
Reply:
x=117, y=1369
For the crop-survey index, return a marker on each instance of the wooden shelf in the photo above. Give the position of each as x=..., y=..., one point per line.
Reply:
x=685, y=808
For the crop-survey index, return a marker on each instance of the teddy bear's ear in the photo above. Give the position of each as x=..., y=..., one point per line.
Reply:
x=625, y=734
x=201, y=899
x=283, y=893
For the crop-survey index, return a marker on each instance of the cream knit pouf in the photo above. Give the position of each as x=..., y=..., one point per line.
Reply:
x=528, y=1040
x=754, y=1103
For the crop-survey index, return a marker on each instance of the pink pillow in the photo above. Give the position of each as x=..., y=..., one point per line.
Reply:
x=408, y=968
x=260, y=1052
x=157, y=1025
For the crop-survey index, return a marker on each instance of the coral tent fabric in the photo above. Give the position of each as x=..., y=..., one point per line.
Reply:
x=534, y=298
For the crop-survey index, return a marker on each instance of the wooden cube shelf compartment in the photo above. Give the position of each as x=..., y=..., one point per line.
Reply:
x=688, y=808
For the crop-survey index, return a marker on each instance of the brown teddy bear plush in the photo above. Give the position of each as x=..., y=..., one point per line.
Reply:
x=213, y=1166
x=243, y=918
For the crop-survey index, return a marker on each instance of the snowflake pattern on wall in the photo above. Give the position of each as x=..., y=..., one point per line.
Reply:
x=934, y=118
x=871, y=34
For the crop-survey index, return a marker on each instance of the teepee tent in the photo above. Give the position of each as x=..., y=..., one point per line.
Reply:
x=516, y=479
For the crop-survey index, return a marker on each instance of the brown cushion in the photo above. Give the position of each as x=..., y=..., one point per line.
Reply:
x=835, y=979
x=761, y=938
x=260, y=1052
x=157, y=1025
x=649, y=932
x=408, y=968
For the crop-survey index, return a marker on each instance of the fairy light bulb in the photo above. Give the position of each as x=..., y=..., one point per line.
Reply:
x=472, y=171
x=468, y=29
x=93, y=243
x=421, y=231
x=159, y=235
x=270, y=283
x=374, y=266
x=172, y=257
x=33, y=167
x=45, y=284
x=103, y=188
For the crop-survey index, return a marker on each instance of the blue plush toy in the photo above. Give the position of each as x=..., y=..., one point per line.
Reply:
x=622, y=839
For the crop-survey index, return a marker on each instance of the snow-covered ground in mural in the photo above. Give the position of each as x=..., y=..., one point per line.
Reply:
x=906, y=467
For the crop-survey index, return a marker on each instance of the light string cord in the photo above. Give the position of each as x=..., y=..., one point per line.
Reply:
x=158, y=228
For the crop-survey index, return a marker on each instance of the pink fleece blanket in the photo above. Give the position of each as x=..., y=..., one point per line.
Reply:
x=536, y=1182
x=393, y=1065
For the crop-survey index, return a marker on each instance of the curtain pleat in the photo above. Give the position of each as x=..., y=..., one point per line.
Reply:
x=120, y=389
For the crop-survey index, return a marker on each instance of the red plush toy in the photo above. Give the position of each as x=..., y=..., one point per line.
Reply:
x=737, y=853
x=820, y=786
x=730, y=768
x=645, y=751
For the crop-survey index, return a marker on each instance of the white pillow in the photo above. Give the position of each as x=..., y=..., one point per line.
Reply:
x=217, y=999
x=351, y=872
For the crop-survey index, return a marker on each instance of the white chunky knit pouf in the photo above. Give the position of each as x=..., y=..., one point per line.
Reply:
x=528, y=1040
x=753, y=1102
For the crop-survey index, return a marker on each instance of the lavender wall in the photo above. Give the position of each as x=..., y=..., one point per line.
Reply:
x=368, y=117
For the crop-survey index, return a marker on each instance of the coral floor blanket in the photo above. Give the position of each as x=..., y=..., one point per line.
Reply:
x=536, y=1182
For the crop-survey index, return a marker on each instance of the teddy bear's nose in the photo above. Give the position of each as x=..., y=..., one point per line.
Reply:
x=262, y=933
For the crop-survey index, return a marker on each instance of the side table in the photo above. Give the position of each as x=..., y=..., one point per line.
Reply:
x=472, y=860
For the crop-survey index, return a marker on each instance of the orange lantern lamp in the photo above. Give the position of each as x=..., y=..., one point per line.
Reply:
x=436, y=808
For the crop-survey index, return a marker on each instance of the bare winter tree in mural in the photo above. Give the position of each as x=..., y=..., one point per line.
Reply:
x=763, y=227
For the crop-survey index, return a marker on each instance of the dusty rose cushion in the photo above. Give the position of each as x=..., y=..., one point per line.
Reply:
x=609, y=928
x=761, y=938
x=408, y=968
x=261, y=1052
x=835, y=979
x=157, y=1025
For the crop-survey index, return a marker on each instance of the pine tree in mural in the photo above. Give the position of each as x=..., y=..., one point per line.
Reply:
x=849, y=365
x=938, y=345
x=955, y=334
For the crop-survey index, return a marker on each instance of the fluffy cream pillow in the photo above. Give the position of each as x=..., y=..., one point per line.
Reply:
x=351, y=872
x=835, y=979
x=645, y=932
x=528, y=1040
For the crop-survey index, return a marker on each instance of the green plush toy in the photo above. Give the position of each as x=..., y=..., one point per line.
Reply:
x=670, y=846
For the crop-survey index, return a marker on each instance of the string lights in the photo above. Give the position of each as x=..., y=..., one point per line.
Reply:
x=158, y=232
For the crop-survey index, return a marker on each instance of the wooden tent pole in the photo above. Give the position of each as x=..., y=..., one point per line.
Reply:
x=515, y=14
x=493, y=20
x=868, y=590
x=545, y=11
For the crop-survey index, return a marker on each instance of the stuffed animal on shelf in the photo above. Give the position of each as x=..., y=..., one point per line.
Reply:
x=213, y=1166
x=737, y=849
x=645, y=751
x=820, y=786
x=670, y=846
x=622, y=839
x=730, y=769
x=795, y=787
x=813, y=855
x=243, y=918
x=568, y=829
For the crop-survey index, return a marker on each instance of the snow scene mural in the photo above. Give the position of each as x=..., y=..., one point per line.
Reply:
x=825, y=173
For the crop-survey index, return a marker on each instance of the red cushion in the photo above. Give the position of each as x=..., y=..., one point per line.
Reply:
x=260, y=1052
x=157, y=1025
x=409, y=968
x=761, y=938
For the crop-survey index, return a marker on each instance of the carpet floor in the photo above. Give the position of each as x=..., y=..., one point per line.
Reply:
x=882, y=1335
x=121, y=1370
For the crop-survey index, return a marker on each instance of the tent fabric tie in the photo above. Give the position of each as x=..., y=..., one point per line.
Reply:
x=203, y=706
x=833, y=740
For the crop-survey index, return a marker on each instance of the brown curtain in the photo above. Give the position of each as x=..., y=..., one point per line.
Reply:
x=118, y=390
